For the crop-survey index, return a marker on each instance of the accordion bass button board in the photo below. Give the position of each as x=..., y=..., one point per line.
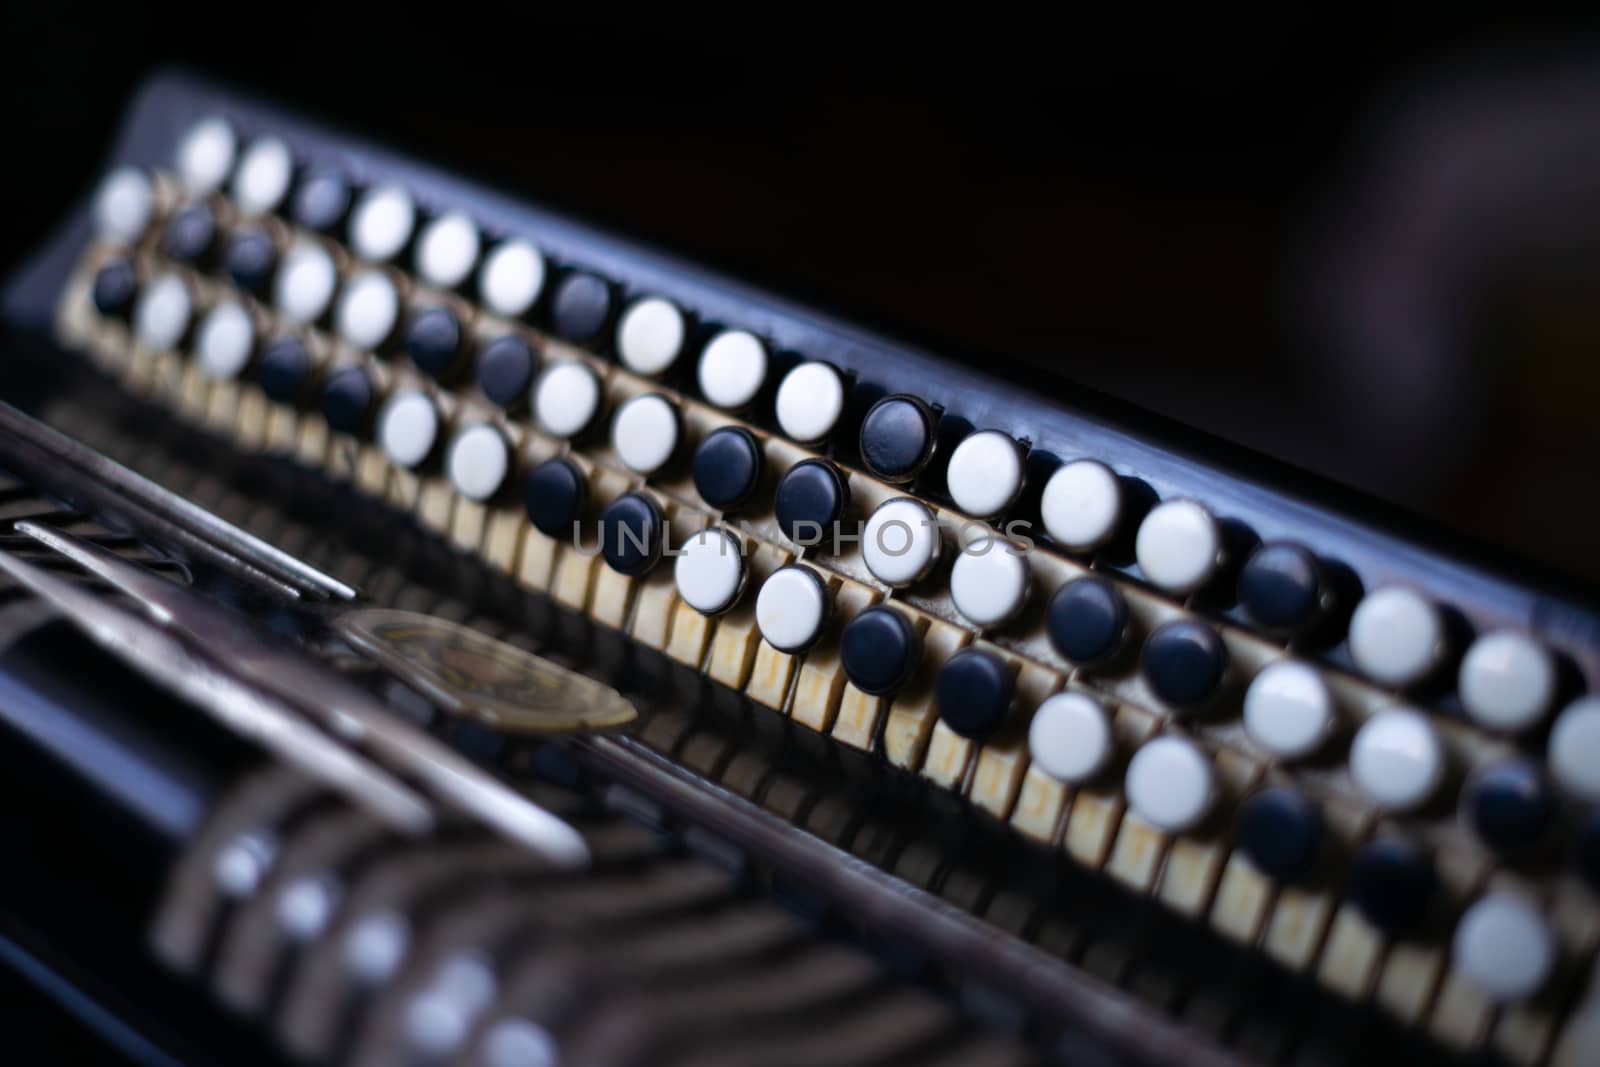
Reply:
x=1281, y=715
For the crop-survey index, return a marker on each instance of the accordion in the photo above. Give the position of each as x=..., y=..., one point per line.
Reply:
x=437, y=632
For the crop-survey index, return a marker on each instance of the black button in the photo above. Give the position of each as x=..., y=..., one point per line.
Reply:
x=974, y=691
x=433, y=340
x=1391, y=883
x=283, y=370
x=250, y=260
x=1087, y=620
x=1184, y=663
x=1281, y=586
x=347, y=400
x=879, y=649
x=1281, y=831
x=321, y=200
x=811, y=498
x=897, y=438
x=727, y=467
x=505, y=371
x=1510, y=805
x=580, y=307
x=556, y=496
x=632, y=534
x=114, y=287
x=191, y=233
x=1587, y=851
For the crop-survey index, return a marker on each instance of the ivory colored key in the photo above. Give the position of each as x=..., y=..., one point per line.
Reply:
x=909, y=727
x=1097, y=809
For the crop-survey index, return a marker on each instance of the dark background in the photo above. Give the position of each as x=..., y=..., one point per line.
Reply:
x=1367, y=247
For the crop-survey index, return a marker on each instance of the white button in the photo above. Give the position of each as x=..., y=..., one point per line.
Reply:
x=511, y=278
x=263, y=178
x=124, y=204
x=1503, y=946
x=644, y=433
x=650, y=335
x=1574, y=754
x=1179, y=546
x=1070, y=737
x=162, y=315
x=989, y=581
x=478, y=462
x=448, y=250
x=1507, y=681
x=810, y=401
x=710, y=572
x=225, y=340
x=985, y=473
x=516, y=1042
x=566, y=398
x=1396, y=636
x=791, y=608
x=206, y=155
x=368, y=309
x=306, y=282
x=382, y=223
x=1288, y=710
x=1170, y=784
x=1081, y=505
x=1397, y=759
x=901, y=541
x=732, y=368
x=408, y=427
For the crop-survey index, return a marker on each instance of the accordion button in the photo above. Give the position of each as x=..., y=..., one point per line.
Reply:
x=408, y=428
x=879, y=649
x=555, y=495
x=645, y=432
x=284, y=369
x=1281, y=831
x=382, y=223
x=1081, y=505
x=974, y=692
x=989, y=581
x=1179, y=546
x=1185, y=663
x=897, y=438
x=985, y=474
x=263, y=178
x=448, y=250
x=901, y=542
x=1088, y=621
x=511, y=278
x=1397, y=759
x=650, y=335
x=321, y=200
x=727, y=467
x=505, y=371
x=710, y=572
x=115, y=286
x=206, y=155
x=434, y=341
x=792, y=608
x=368, y=310
x=1392, y=884
x=1503, y=946
x=1397, y=637
x=811, y=499
x=1509, y=805
x=1289, y=710
x=250, y=259
x=580, y=307
x=124, y=204
x=1507, y=681
x=161, y=315
x=810, y=402
x=632, y=532
x=1573, y=754
x=306, y=282
x=1281, y=587
x=1070, y=737
x=225, y=340
x=1171, y=784
x=347, y=398
x=191, y=233
x=478, y=462
x=733, y=367
x=567, y=398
